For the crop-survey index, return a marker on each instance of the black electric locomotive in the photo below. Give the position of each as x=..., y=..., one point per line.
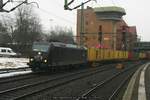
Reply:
x=55, y=56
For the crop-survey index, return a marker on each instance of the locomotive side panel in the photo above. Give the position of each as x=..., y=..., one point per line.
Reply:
x=58, y=56
x=66, y=56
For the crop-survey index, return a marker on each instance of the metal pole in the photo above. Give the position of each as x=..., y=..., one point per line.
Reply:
x=114, y=34
x=100, y=35
x=124, y=37
x=124, y=40
x=65, y=5
x=1, y=4
x=82, y=25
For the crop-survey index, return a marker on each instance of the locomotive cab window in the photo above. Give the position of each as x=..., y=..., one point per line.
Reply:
x=40, y=47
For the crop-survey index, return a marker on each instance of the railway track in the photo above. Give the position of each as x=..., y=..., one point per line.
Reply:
x=17, y=78
x=118, y=89
x=26, y=90
x=34, y=87
x=5, y=80
x=99, y=91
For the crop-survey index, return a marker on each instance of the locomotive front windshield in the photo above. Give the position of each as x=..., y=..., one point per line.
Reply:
x=40, y=47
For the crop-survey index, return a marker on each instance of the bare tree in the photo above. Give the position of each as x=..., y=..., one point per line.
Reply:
x=4, y=34
x=61, y=34
x=9, y=23
x=28, y=27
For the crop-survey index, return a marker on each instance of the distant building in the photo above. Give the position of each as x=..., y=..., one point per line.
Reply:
x=104, y=27
x=131, y=37
x=126, y=36
x=142, y=46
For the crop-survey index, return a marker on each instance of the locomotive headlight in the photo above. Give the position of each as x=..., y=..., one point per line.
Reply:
x=31, y=59
x=39, y=53
x=45, y=61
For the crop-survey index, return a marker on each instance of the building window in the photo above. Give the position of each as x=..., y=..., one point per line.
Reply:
x=100, y=28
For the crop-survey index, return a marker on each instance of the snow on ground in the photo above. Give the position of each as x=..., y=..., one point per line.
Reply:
x=14, y=74
x=13, y=62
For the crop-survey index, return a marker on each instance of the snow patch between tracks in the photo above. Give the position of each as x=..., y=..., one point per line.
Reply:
x=14, y=74
x=13, y=62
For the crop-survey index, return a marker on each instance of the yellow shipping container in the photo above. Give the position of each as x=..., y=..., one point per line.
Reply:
x=95, y=54
x=121, y=54
x=116, y=54
x=111, y=54
x=105, y=54
x=126, y=56
x=91, y=54
x=102, y=54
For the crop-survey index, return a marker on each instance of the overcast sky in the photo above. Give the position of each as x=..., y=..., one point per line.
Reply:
x=52, y=13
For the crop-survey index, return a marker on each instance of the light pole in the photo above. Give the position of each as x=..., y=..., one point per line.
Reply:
x=66, y=7
x=82, y=25
x=124, y=37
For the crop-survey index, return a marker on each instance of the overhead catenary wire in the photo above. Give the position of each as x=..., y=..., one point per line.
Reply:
x=50, y=13
x=56, y=16
x=66, y=6
x=59, y=17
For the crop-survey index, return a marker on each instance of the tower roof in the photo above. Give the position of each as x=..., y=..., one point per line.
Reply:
x=109, y=13
x=110, y=9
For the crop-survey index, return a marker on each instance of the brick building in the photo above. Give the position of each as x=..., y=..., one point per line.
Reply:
x=127, y=32
x=103, y=27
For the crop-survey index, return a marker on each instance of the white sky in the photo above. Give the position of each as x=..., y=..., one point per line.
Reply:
x=52, y=13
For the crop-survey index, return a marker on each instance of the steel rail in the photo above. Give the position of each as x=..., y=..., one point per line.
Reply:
x=24, y=87
x=115, y=93
x=17, y=78
x=23, y=76
x=85, y=95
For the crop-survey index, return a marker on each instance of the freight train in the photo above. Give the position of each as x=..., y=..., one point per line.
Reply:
x=55, y=56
